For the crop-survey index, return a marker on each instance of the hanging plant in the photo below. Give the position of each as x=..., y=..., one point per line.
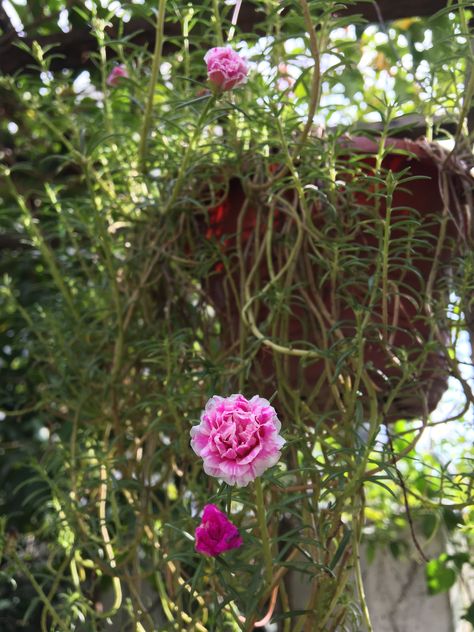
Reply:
x=374, y=255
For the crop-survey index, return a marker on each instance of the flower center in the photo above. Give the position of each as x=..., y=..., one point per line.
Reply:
x=237, y=435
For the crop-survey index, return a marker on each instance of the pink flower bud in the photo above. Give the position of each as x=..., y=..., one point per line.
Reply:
x=226, y=69
x=238, y=439
x=116, y=74
x=216, y=533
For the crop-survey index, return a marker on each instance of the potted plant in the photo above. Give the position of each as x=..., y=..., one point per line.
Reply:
x=362, y=290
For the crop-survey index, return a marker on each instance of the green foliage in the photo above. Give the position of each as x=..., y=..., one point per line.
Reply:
x=124, y=310
x=441, y=573
x=469, y=616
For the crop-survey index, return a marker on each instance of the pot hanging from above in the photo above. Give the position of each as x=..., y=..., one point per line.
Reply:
x=345, y=280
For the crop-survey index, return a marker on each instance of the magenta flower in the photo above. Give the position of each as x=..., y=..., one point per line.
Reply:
x=226, y=69
x=116, y=74
x=216, y=533
x=237, y=438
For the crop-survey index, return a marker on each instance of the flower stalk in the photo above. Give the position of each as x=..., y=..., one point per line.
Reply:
x=264, y=534
x=160, y=21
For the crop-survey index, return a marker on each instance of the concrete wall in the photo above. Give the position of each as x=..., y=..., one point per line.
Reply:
x=397, y=597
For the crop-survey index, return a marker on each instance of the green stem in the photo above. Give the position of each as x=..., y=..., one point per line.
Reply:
x=104, y=239
x=160, y=21
x=41, y=594
x=187, y=155
x=385, y=250
x=359, y=471
x=59, y=575
x=360, y=586
x=315, y=93
x=216, y=19
x=29, y=221
x=340, y=586
x=262, y=525
x=103, y=76
x=357, y=521
x=107, y=543
x=469, y=81
x=164, y=599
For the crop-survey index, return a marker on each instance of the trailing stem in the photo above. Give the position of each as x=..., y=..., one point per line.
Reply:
x=316, y=79
x=29, y=222
x=160, y=21
x=106, y=539
x=385, y=252
x=265, y=536
x=357, y=531
x=41, y=594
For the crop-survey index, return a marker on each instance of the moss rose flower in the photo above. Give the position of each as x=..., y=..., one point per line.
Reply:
x=238, y=439
x=216, y=533
x=226, y=69
x=116, y=75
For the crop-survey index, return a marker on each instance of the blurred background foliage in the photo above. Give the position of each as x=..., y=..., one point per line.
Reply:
x=108, y=346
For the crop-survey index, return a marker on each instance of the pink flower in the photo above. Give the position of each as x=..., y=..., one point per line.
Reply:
x=226, y=69
x=237, y=438
x=116, y=74
x=216, y=533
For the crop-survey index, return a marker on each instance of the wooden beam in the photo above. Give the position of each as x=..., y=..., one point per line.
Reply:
x=74, y=49
x=395, y=9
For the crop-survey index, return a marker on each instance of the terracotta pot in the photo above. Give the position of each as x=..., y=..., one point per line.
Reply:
x=413, y=265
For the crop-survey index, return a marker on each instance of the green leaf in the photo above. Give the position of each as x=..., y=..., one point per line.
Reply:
x=377, y=481
x=439, y=576
x=452, y=519
x=182, y=531
x=370, y=551
x=459, y=559
x=469, y=614
x=340, y=548
x=394, y=547
x=429, y=524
